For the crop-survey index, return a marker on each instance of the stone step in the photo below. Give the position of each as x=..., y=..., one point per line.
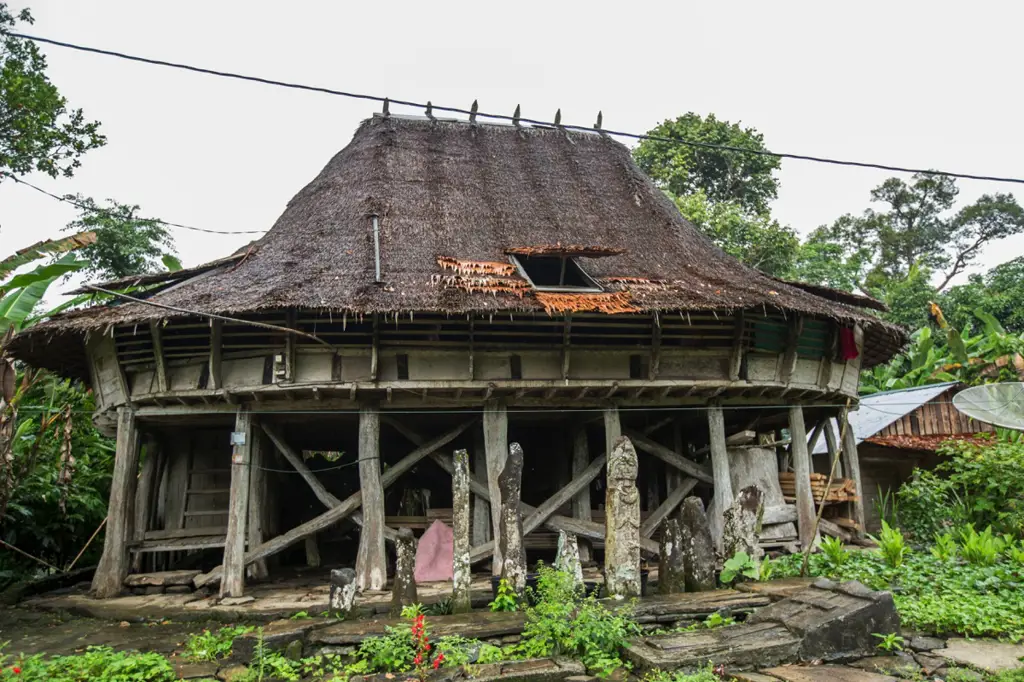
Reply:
x=825, y=673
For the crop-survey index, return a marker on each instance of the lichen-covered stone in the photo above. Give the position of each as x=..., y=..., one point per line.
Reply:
x=742, y=529
x=622, y=522
x=510, y=540
x=567, y=557
x=461, y=573
x=671, y=567
x=343, y=591
x=698, y=553
x=403, y=589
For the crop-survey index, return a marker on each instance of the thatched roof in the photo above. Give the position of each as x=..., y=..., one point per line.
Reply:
x=453, y=199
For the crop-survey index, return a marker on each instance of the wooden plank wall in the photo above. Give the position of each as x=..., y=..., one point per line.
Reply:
x=937, y=417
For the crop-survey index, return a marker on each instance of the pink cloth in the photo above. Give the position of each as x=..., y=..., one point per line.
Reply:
x=434, y=554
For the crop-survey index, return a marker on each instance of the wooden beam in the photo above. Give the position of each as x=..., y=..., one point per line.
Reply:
x=669, y=456
x=815, y=436
x=371, y=562
x=343, y=510
x=113, y=566
x=736, y=355
x=216, y=334
x=851, y=462
x=257, y=502
x=144, y=493
x=496, y=451
x=612, y=427
x=796, y=327
x=290, y=351
x=674, y=498
x=720, y=466
x=233, y=583
x=655, y=348
x=375, y=349
x=159, y=362
x=581, y=501
x=472, y=353
x=783, y=513
x=832, y=447
x=566, y=339
x=802, y=475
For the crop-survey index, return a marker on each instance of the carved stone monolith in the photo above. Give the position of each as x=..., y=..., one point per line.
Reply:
x=403, y=589
x=671, y=567
x=698, y=554
x=742, y=529
x=461, y=575
x=567, y=558
x=343, y=591
x=510, y=541
x=622, y=522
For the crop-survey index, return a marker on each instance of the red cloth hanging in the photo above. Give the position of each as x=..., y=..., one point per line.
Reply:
x=847, y=344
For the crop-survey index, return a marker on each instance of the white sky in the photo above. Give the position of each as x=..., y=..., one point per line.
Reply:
x=920, y=84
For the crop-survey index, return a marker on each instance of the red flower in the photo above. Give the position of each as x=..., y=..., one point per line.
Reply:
x=17, y=670
x=438, y=660
x=417, y=660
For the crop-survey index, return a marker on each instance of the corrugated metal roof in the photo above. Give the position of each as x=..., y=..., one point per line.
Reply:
x=878, y=410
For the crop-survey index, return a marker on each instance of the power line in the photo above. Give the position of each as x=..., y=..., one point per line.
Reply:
x=96, y=209
x=514, y=118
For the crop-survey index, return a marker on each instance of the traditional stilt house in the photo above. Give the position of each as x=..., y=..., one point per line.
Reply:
x=446, y=285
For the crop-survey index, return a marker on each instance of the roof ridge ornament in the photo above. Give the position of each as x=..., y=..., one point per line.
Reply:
x=558, y=118
x=430, y=111
x=516, y=115
x=386, y=112
x=600, y=118
x=472, y=112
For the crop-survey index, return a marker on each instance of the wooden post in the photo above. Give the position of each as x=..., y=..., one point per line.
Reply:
x=581, y=508
x=144, y=494
x=802, y=473
x=371, y=563
x=832, y=446
x=233, y=583
x=157, y=337
x=481, y=509
x=216, y=331
x=257, y=501
x=719, y=471
x=852, y=464
x=612, y=427
x=674, y=477
x=496, y=451
x=312, y=551
x=113, y=566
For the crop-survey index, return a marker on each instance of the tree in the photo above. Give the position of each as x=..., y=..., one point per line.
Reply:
x=757, y=240
x=38, y=132
x=999, y=292
x=126, y=243
x=742, y=178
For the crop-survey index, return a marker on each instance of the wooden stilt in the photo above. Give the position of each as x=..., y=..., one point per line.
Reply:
x=612, y=427
x=581, y=508
x=851, y=462
x=720, y=471
x=832, y=446
x=113, y=566
x=144, y=494
x=802, y=473
x=496, y=451
x=258, y=456
x=233, y=583
x=312, y=552
x=371, y=563
x=673, y=500
x=481, y=509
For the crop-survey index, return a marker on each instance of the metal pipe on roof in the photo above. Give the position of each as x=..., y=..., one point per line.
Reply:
x=376, y=247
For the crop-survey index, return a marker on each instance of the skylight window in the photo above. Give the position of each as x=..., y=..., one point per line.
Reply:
x=555, y=273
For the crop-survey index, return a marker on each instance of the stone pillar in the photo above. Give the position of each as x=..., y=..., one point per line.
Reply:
x=671, y=567
x=698, y=556
x=343, y=591
x=622, y=522
x=371, y=562
x=567, y=558
x=743, y=525
x=461, y=574
x=510, y=533
x=403, y=589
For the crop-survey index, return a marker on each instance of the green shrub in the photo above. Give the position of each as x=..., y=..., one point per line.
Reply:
x=506, y=599
x=96, y=664
x=980, y=549
x=705, y=674
x=988, y=475
x=835, y=553
x=210, y=646
x=739, y=565
x=891, y=544
x=945, y=548
x=927, y=505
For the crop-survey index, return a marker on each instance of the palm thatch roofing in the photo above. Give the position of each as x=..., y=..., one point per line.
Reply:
x=453, y=199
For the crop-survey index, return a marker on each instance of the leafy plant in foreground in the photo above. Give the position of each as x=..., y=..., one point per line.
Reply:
x=892, y=545
x=210, y=646
x=739, y=565
x=980, y=549
x=890, y=641
x=835, y=553
x=96, y=664
x=506, y=599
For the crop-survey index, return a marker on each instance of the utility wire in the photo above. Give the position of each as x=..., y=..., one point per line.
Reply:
x=514, y=119
x=96, y=209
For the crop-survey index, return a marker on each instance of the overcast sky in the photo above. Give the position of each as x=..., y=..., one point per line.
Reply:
x=921, y=84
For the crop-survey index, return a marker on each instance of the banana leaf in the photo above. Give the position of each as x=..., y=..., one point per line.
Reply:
x=40, y=249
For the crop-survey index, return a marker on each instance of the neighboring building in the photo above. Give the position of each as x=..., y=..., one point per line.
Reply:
x=899, y=431
x=446, y=285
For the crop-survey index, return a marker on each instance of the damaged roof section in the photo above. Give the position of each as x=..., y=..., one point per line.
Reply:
x=565, y=250
x=608, y=303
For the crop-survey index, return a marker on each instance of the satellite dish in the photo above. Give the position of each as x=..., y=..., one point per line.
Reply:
x=996, y=404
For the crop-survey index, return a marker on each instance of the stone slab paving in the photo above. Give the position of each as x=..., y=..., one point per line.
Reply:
x=982, y=654
x=776, y=589
x=825, y=673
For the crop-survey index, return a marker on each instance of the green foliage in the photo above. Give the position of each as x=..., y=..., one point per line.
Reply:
x=999, y=293
x=96, y=664
x=928, y=505
x=835, y=553
x=38, y=132
x=945, y=547
x=563, y=622
x=739, y=565
x=892, y=545
x=890, y=641
x=745, y=179
x=988, y=475
x=756, y=239
x=211, y=646
x=391, y=653
x=980, y=549
x=126, y=243
x=705, y=674
x=506, y=599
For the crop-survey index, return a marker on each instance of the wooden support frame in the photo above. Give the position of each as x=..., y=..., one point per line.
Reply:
x=669, y=456
x=789, y=358
x=255, y=530
x=832, y=446
x=156, y=335
x=371, y=562
x=375, y=349
x=737, y=352
x=851, y=462
x=802, y=475
x=113, y=566
x=215, y=380
x=495, y=425
x=723, y=495
x=343, y=510
x=144, y=494
x=233, y=584
x=674, y=498
x=655, y=367
x=581, y=501
x=612, y=427
x=566, y=345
